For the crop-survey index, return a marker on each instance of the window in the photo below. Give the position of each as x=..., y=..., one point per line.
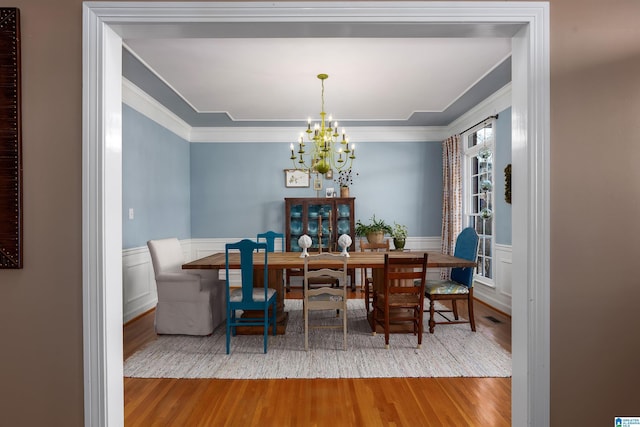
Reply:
x=479, y=146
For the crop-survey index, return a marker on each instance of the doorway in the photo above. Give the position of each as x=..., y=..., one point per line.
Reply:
x=106, y=24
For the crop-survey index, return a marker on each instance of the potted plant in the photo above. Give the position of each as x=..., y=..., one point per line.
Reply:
x=399, y=233
x=373, y=231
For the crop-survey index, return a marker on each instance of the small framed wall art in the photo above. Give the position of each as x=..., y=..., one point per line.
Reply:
x=296, y=178
x=329, y=174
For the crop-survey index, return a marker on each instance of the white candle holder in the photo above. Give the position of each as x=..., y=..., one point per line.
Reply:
x=344, y=242
x=305, y=243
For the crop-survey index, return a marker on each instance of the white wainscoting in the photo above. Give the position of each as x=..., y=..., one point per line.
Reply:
x=139, y=288
x=498, y=296
x=138, y=285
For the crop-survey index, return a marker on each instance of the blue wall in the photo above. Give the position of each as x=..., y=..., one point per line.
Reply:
x=155, y=181
x=236, y=190
x=503, y=158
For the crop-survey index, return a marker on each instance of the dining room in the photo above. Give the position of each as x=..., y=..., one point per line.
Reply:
x=175, y=184
x=208, y=186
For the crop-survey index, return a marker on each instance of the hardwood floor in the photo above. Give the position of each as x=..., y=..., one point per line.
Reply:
x=320, y=402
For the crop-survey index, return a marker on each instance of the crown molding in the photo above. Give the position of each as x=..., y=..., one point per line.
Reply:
x=148, y=106
x=290, y=134
x=496, y=102
x=145, y=104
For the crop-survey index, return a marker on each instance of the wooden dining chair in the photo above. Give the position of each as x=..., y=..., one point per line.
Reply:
x=248, y=297
x=458, y=287
x=366, y=274
x=327, y=297
x=401, y=298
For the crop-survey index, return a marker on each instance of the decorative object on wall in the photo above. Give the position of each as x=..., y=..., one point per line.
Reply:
x=317, y=184
x=507, y=183
x=296, y=178
x=329, y=174
x=328, y=150
x=11, y=229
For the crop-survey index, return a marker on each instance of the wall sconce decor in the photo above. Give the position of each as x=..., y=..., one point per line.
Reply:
x=507, y=183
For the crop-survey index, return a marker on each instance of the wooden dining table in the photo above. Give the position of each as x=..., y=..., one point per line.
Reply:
x=278, y=262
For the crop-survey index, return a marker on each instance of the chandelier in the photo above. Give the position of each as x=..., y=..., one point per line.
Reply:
x=329, y=150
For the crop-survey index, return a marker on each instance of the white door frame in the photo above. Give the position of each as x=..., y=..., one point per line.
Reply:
x=105, y=24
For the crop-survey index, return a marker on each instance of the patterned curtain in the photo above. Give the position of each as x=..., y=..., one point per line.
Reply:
x=451, y=195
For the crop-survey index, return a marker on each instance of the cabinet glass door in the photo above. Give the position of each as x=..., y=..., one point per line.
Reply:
x=344, y=219
x=296, y=226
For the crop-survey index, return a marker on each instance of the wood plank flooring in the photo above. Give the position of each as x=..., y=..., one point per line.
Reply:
x=320, y=402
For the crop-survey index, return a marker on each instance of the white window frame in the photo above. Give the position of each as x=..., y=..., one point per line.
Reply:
x=467, y=185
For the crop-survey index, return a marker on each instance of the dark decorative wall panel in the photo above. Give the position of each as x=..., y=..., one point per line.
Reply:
x=10, y=141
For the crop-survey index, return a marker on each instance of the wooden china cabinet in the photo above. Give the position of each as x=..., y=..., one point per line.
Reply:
x=322, y=219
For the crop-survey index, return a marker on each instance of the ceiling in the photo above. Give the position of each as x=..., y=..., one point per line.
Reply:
x=236, y=81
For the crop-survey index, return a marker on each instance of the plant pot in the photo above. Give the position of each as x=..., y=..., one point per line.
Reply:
x=399, y=243
x=375, y=237
x=344, y=191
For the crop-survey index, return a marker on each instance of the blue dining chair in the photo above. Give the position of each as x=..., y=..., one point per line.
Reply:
x=460, y=284
x=249, y=297
x=270, y=238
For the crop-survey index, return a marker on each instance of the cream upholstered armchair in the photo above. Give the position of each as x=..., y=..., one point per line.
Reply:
x=188, y=303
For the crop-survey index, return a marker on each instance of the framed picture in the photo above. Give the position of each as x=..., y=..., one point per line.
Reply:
x=317, y=184
x=330, y=192
x=296, y=178
x=329, y=174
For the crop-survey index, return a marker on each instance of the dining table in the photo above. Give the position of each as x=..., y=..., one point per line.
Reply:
x=278, y=262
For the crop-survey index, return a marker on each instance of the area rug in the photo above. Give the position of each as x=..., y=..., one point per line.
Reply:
x=452, y=351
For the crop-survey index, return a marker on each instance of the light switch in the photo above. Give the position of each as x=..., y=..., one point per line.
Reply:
x=130, y=213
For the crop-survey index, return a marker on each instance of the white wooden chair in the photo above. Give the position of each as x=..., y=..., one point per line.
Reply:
x=325, y=297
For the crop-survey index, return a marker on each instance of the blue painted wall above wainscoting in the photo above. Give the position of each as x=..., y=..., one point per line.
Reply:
x=155, y=181
x=218, y=190
x=237, y=190
x=503, y=158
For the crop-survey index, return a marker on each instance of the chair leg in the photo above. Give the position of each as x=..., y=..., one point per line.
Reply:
x=454, y=308
x=344, y=328
x=366, y=296
x=306, y=328
x=265, y=329
x=472, y=319
x=386, y=327
x=228, y=327
x=374, y=321
x=417, y=312
x=432, y=313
